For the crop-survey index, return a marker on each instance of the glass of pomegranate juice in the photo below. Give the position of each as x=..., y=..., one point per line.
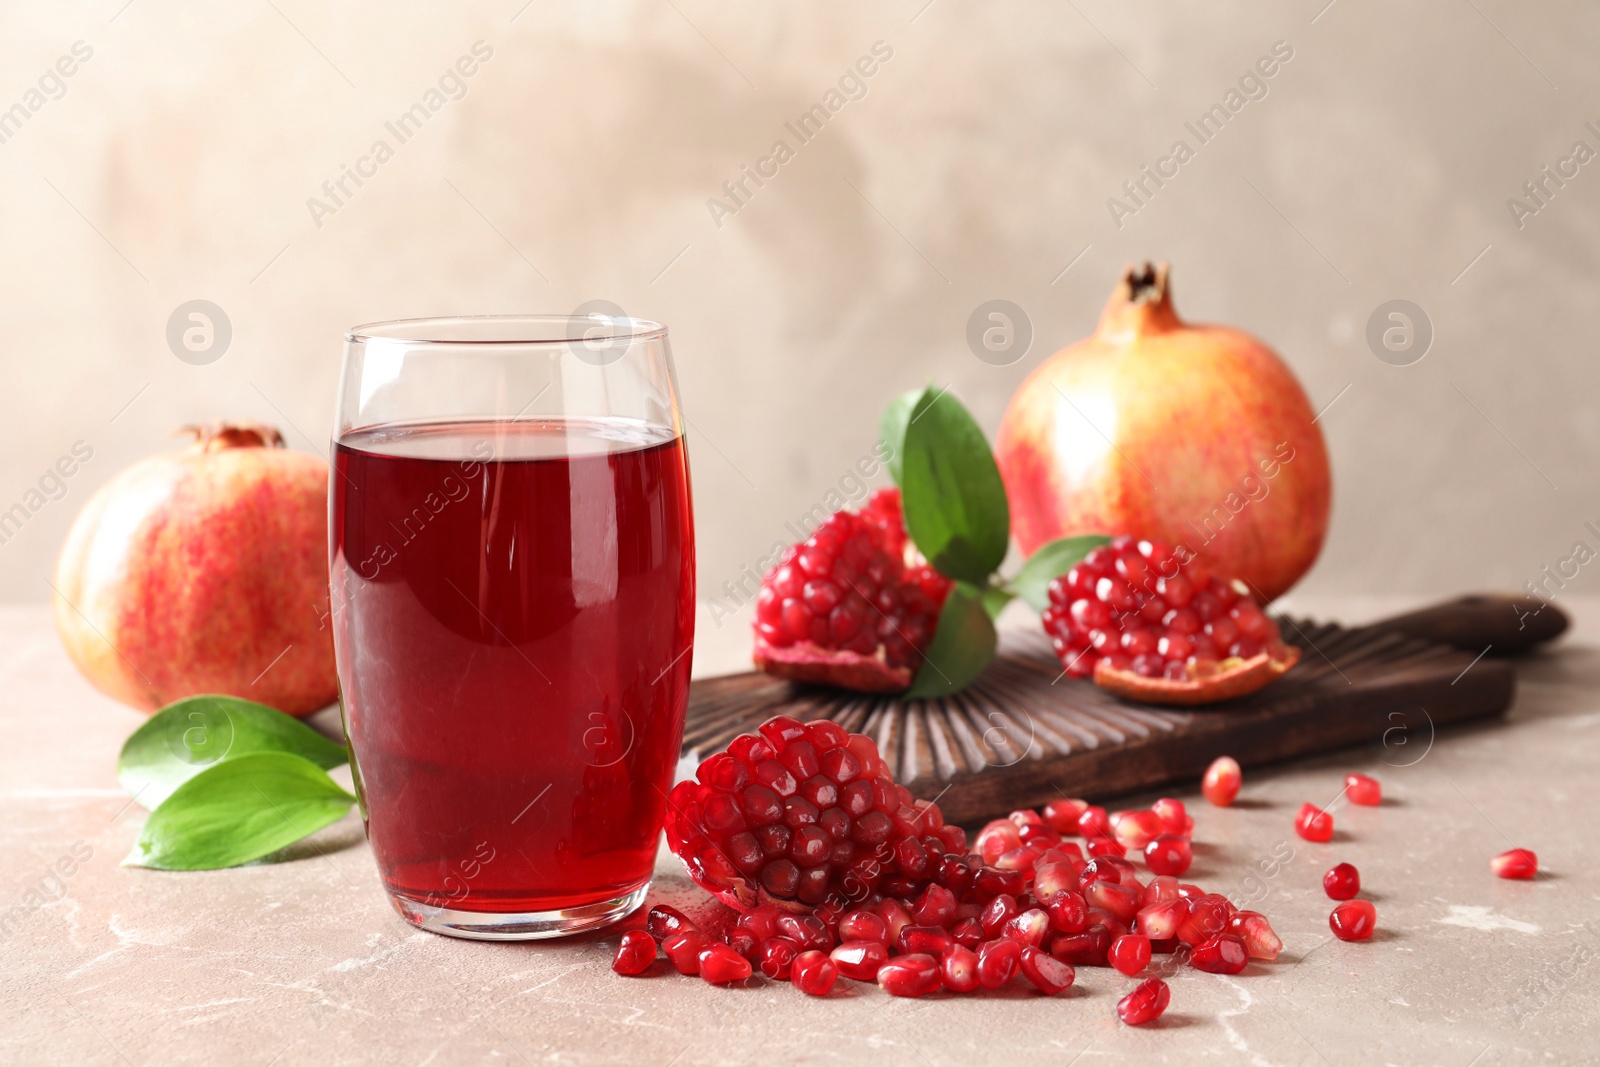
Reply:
x=512, y=550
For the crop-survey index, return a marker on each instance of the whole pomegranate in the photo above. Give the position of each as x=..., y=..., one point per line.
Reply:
x=204, y=571
x=1196, y=436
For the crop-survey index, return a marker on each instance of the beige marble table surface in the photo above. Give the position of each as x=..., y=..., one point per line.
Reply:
x=302, y=961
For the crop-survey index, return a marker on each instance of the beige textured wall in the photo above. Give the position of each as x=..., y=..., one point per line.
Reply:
x=178, y=163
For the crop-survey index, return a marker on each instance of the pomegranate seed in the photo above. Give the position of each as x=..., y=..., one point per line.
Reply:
x=915, y=975
x=1068, y=912
x=936, y=906
x=1048, y=974
x=663, y=921
x=1028, y=928
x=995, y=914
x=683, y=950
x=1105, y=846
x=1145, y=1004
x=1208, y=916
x=968, y=933
x=1122, y=901
x=1088, y=949
x=1518, y=863
x=776, y=957
x=1130, y=953
x=997, y=962
x=1136, y=828
x=1313, y=824
x=813, y=973
x=1163, y=920
x=1161, y=889
x=930, y=940
x=1220, y=954
x=992, y=881
x=1062, y=815
x=861, y=959
x=1168, y=854
x=1354, y=920
x=960, y=967
x=863, y=925
x=745, y=944
x=635, y=954
x=1342, y=882
x=1052, y=878
x=720, y=965
x=1114, y=927
x=1259, y=940
x=894, y=917
x=807, y=931
x=996, y=839
x=1173, y=815
x=1093, y=822
x=1363, y=790
x=1221, y=783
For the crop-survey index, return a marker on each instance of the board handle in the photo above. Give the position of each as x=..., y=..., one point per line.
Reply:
x=1500, y=622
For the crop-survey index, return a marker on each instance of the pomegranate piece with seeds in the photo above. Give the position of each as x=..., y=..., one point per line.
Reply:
x=1150, y=628
x=745, y=826
x=813, y=973
x=1362, y=790
x=1353, y=920
x=915, y=975
x=1220, y=786
x=852, y=605
x=1130, y=953
x=1048, y=974
x=635, y=954
x=1342, y=882
x=1145, y=1004
x=1517, y=863
x=1313, y=824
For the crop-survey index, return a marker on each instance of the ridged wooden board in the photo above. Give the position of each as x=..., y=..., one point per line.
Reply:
x=1023, y=734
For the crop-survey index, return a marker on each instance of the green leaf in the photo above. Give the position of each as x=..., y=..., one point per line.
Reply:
x=962, y=646
x=954, y=502
x=995, y=599
x=1048, y=562
x=892, y=428
x=186, y=737
x=239, y=810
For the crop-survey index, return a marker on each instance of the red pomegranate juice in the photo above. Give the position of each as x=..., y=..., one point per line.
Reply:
x=513, y=616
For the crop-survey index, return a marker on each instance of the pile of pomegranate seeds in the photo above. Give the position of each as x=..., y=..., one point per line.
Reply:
x=891, y=895
x=1133, y=603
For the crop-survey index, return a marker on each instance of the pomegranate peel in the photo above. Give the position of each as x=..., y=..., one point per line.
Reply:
x=1233, y=678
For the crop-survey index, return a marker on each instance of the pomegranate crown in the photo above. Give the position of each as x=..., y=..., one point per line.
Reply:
x=1141, y=303
x=223, y=434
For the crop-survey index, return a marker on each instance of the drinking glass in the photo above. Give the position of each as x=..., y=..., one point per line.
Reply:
x=512, y=573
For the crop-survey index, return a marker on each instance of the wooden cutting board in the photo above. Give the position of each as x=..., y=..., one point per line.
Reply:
x=1023, y=734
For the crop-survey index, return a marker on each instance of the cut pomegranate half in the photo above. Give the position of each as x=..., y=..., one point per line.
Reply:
x=1232, y=678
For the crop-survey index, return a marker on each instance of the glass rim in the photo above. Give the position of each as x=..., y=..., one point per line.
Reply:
x=492, y=331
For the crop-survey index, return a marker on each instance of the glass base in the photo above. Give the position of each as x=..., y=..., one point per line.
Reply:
x=517, y=925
